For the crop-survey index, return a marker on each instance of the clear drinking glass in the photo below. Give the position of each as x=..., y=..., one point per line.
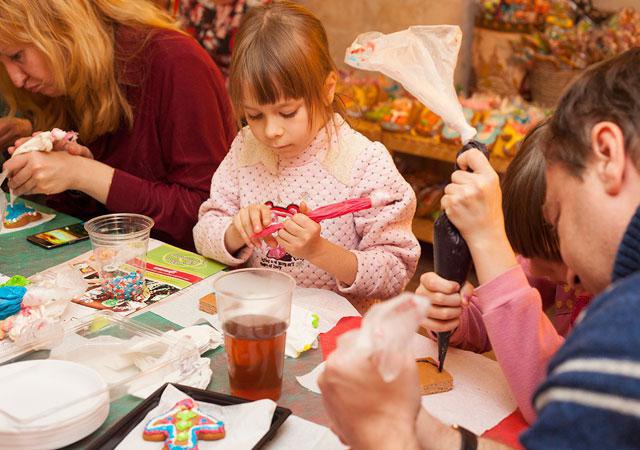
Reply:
x=120, y=243
x=254, y=307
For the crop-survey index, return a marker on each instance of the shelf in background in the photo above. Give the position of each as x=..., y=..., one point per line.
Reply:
x=423, y=229
x=416, y=145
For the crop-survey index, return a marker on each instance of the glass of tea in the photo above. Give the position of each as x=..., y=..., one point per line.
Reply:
x=254, y=307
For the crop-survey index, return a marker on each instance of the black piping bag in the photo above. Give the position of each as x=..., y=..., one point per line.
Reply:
x=451, y=255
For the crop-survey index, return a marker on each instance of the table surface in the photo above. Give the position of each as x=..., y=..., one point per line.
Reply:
x=19, y=256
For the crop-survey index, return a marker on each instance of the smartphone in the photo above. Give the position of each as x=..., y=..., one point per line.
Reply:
x=60, y=236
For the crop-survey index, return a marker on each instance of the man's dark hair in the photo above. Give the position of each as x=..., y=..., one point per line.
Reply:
x=606, y=92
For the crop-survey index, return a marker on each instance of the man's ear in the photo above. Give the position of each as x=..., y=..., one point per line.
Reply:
x=608, y=150
x=330, y=84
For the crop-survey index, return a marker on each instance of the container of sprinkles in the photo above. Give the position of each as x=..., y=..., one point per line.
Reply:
x=120, y=243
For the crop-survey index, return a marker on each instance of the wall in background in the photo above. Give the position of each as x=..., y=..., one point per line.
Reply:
x=345, y=19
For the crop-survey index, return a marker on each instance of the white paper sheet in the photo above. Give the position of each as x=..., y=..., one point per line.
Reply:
x=331, y=307
x=297, y=433
x=480, y=398
x=310, y=380
x=244, y=424
x=182, y=307
x=45, y=218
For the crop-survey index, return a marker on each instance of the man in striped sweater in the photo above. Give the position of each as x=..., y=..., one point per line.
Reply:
x=591, y=397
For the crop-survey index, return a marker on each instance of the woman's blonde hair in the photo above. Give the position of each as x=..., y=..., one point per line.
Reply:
x=77, y=38
x=282, y=52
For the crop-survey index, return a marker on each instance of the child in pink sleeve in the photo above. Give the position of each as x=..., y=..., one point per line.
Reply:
x=297, y=154
x=506, y=312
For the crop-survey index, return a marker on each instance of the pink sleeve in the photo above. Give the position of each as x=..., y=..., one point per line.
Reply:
x=216, y=213
x=470, y=334
x=388, y=252
x=523, y=338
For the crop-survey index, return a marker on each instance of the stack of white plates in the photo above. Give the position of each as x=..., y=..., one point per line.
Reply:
x=48, y=404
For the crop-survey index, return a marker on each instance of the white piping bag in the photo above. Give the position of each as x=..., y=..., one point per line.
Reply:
x=386, y=333
x=423, y=60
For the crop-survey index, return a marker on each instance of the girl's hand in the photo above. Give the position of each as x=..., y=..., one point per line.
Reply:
x=447, y=301
x=42, y=173
x=252, y=219
x=300, y=236
x=473, y=200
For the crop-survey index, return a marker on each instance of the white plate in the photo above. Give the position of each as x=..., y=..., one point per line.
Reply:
x=46, y=394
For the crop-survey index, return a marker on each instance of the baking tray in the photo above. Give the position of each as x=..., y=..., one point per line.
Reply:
x=118, y=431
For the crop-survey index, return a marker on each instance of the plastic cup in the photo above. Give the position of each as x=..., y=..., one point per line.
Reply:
x=254, y=307
x=120, y=243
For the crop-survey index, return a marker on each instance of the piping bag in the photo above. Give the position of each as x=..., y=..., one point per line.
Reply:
x=423, y=60
x=451, y=255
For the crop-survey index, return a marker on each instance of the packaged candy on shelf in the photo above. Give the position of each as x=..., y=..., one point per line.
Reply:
x=358, y=93
x=400, y=116
x=429, y=123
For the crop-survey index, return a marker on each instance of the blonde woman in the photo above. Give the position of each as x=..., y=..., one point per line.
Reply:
x=150, y=106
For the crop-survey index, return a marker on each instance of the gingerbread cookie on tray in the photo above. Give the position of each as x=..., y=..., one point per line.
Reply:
x=181, y=427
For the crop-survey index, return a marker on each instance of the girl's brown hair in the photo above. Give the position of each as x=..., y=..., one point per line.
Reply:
x=524, y=190
x=281, y=52
x=77, y=38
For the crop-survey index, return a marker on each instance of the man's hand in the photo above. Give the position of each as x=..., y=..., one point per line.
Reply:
x=366, y=412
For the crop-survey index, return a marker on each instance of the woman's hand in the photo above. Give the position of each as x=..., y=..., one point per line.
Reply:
x=73, y=148
x=42, y=172
x=12, y=128
x=447, y=301
x=473, y=200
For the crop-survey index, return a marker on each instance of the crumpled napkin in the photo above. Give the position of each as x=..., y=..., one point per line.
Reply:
x=244, y=424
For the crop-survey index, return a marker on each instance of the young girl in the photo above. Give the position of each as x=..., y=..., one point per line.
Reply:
x=507, y=311
x=297, y=154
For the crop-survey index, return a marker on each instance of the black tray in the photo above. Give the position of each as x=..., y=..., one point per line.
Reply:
x=118, y=431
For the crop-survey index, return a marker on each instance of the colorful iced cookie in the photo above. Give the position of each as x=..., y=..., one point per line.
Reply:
x=183, y=426
x=20, y=215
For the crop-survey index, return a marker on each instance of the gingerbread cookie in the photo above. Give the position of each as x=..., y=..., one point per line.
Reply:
x=432, y=381
x=19, y=215
x=182, y=426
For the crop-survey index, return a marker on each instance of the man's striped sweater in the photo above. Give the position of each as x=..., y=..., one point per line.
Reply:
x=591, y=397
